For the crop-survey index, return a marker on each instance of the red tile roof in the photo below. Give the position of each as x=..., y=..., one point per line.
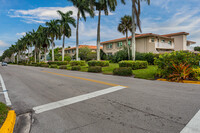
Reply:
x=136, y=36
x=176, y=34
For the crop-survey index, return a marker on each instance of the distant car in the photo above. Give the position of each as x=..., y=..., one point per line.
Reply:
x=4, y=64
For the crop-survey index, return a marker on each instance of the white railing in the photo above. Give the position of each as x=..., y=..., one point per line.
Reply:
x=164, y=45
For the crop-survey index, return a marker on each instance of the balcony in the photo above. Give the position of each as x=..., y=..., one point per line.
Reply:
x=162, y=45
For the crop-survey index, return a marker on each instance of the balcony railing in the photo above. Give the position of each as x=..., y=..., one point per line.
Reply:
x=164, y=45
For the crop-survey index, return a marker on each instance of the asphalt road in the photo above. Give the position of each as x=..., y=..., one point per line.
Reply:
x=143, y=107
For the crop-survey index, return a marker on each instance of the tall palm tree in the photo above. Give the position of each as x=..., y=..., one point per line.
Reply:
x=65, y=28
x=136, y=22
x=34, y=36
x=83, y=7
x=124, y=27
x=53, y=32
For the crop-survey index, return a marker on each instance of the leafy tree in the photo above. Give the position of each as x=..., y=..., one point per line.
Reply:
x=124, y=27
x=84, y=52
x=56, y=53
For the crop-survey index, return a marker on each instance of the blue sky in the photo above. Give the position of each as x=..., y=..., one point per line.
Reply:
x=162, y=16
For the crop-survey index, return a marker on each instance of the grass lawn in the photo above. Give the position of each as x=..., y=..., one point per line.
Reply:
x=3, y=113
x=148, y=73
x=110, y=68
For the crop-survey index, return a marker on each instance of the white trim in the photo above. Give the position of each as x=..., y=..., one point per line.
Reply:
x=65, y=102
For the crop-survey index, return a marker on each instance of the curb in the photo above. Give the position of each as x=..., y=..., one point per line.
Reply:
x=184, y=81
x=9, y=124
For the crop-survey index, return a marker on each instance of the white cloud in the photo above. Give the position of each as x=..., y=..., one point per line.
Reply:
x=21, y=34
x=3, y=44
x=42, y=14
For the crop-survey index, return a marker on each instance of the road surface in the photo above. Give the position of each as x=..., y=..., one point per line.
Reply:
x=63, y=101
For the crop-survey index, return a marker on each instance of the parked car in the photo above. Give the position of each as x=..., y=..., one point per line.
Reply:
x=4, y=64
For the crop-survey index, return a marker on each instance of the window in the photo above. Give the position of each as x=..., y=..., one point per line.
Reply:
x=129, y=43
x=119, y=44
x=73, y=51
x=163, y=41
x=109, y=54
x=109, y=46
x=152, y=40
x=170, y=42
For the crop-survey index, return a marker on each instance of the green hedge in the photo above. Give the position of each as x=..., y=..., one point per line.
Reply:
x=53, y=66
x=58, y=63
x=134, y=64
x=95, y=69
x=123, y=71
x=63, y=67
x=76, y=68
x=98, y=63
x=76, y=63
x=44, y=65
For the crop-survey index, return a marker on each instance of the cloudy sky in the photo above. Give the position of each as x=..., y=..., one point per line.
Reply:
x=162, y=16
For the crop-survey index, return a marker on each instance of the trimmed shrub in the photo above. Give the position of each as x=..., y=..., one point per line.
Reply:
x=166, y=61
x=44, y=65
x=95, y=69
x=76, y=63
x=76, y=68
x=53, y=66
x=123, y=71
x=134, y=64
x=149, y=57
x=58, y=63
x=98, y=63
x=63, y=67
x=66, y=58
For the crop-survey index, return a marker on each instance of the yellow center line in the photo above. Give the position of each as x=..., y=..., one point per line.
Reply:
x=91, y=80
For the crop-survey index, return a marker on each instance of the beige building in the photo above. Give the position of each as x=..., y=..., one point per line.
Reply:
x=72, y=51
x=150, y=42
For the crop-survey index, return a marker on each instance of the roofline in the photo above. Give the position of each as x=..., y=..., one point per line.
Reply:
x=176, y=34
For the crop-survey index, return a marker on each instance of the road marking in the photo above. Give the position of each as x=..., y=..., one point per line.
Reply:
x=65, y=102
x=8, y=102
x=91, y=80
x=193, y=125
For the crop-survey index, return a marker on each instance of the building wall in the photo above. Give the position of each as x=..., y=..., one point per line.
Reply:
x=180, y=42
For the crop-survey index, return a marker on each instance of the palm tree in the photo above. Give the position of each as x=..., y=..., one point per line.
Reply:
x=53, y=31
x=103, y=5
x=136, y=22
x=34, y=36
x=83, y=7
x=65, y=29
x=124, y=27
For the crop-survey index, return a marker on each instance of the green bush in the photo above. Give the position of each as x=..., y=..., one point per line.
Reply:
x=66, y=58
x=58, y=63
x=53, y=66
x=76, y=68
x=134, y=64
x=63, y=67
x=98, y=63
x=123, y=71
x=149, y=57
x=44, y=65
x=95, y=69
x=119, y=56
x=76, y=63
x=196, y=73
x=166, y=61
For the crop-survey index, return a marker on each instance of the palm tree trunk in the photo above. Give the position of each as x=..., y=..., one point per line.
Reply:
x=127, y=45
x=39, y=54
x=52, y=45
x=98, y=36
x=17, y=57
x=78, y=16
x=35, y=54
x=45, y=56
x=63, y=48
x=133, y=31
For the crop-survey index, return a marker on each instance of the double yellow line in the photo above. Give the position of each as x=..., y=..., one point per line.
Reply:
x=91, y=80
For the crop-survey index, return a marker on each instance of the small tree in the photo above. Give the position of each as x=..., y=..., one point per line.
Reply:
x=84, y=52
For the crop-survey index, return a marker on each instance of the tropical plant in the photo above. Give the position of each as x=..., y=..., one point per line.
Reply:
x=136, y=22
x=83, y=7
x=124, y=27
x=65, y=28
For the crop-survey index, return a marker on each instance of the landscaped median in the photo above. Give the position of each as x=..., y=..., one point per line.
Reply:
x=8, y=117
